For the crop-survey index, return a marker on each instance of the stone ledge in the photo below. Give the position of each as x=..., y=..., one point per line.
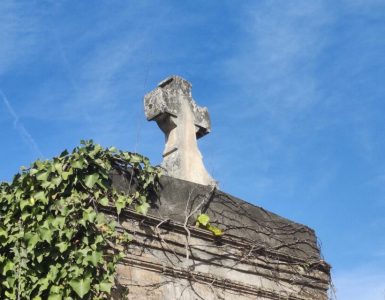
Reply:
x=241, y=221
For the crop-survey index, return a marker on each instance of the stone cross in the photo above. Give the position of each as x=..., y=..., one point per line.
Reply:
x=183, y=122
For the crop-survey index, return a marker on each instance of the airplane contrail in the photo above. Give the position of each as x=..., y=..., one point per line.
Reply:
x=23, y=132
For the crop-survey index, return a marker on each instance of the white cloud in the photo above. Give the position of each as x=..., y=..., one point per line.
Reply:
x=23, y=132
x=96, y=92
x=274, y=69
x=18, y=34
x=275, y=64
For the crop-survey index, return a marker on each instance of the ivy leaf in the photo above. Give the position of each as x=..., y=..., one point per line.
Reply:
x=89, y=215
x=136, y=158
x=55, y=289
x=3, y=233
x=95, y=257
x=91, y=180
x=43, y=284
x=215, y=230
x=100, y=218
x=8, y=267
x=40, y=196
x=142, y=208
x=120, y=203
x=65, y=175
x=112, y=149
x=63, y=246
x=68, y=232
x=64, y=153
x=39, y=258
x=53, y=272
x=42, y=176
x=46, y=234
x=105, y=286
x=58, y=167
x=58, y=222
x=78, y=164
x=203, y=219
x=81, y=286
x=33, y=239
x=57, y=180
x=104, y=201
x=24, y=203
x=55, y=297
x=33, y=171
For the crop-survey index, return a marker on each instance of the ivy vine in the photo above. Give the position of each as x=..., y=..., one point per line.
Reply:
x=55, y=242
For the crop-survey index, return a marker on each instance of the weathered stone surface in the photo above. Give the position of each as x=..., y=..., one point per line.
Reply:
x=260, y=256
x=183, y=122
x=161, y=267
x=240, y=220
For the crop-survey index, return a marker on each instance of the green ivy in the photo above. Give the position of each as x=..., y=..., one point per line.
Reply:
x=55, y=241
x=203, y=221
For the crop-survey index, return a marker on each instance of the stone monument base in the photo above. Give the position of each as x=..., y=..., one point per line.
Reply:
x=259, y=256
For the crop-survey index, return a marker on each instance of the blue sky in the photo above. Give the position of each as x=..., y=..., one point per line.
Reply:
x=295, y=90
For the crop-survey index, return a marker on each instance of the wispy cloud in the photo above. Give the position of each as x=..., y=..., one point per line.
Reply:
x=18, y=35
x=274, y=70
x=103, y=89
x=18, y=125
x=277, y=57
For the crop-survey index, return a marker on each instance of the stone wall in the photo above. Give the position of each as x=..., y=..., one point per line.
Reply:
x=260, y=255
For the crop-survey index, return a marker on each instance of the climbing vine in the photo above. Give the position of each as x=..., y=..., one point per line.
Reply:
x=56, y=243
